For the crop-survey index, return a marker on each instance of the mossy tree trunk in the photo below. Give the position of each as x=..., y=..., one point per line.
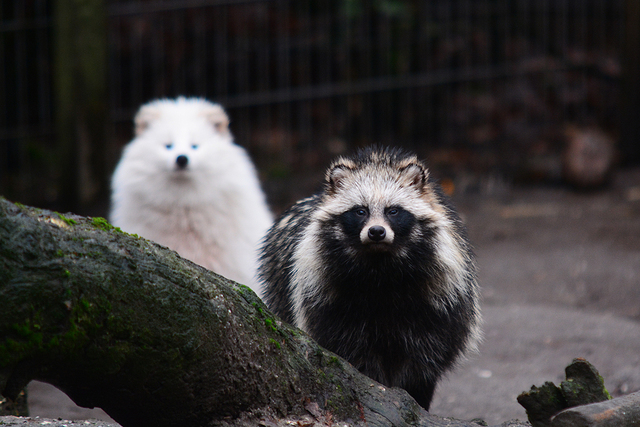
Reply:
x=119, y=322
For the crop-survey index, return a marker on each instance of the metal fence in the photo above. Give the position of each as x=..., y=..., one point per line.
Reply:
x=483, y=85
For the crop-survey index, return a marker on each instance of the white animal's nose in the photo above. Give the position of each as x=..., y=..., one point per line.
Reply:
x=182, y=161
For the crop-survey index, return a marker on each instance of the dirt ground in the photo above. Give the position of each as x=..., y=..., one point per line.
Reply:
x=560, y=272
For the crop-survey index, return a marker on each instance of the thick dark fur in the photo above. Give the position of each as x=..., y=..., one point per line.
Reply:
x=402, y=312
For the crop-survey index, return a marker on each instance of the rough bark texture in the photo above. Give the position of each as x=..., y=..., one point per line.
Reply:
x=119, y=322
x=619, y=412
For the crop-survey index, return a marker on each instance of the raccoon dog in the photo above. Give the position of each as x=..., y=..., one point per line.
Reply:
x=183, y=183
x=377, y=268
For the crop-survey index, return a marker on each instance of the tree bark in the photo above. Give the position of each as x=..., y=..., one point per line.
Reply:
x=122, y=323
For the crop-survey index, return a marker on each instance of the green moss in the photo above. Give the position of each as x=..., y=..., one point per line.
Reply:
x=27, y=336
x=276, y=343
x=103, y=224
x=321, y=374
x=331, y=361
x=243, y=290
x=69, y=221
x=339, y=400
x=54, y=342
x=270, y=323
x=604, y=389
x=30, y=337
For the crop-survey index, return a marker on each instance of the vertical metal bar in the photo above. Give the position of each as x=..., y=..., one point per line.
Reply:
x=306, y=108
x=266, y=47
x=367, y=100
x=135, y=65
x=346, y=35
x=585, y=43
x=25, y=171
x=115, y=64
x=630, y=87
x=178, y=54
x=563, y=26
x=21, y=69
x=527, y=35
x=221, y=53
x=285, y=121
x=3, y=80
x=44, y=89
x=547, y=76
x=381, y=122
x=327, y=47
x=80, y=81
x=199, y=55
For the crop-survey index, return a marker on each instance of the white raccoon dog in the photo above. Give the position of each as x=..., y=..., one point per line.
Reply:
x=378, y=269
x=183, y=183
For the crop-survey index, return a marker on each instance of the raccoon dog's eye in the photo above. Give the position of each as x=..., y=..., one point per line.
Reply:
x=392, y=211
x=194, y=146
x=361, y=212
x=169, y=146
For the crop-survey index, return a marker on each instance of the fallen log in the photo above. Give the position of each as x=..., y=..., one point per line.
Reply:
x=121, y=323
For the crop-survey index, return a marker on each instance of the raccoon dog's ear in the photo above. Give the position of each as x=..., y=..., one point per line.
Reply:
x=145, y=116
x=218, y=118
x=414, y=174
x=336, y=175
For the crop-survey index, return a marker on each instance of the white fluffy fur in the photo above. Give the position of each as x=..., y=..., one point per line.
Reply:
x=213, y=212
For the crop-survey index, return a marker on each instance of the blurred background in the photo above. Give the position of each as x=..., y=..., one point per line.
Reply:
x=487, y=91
x=528, y=111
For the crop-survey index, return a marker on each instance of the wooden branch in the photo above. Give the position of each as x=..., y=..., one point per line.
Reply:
x=122, y=323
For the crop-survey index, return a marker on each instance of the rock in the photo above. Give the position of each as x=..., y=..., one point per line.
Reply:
x=588, y=157
x=11, y=421
x=619, y=412
x=542, y=403
x=583, y=386
x=17, y=407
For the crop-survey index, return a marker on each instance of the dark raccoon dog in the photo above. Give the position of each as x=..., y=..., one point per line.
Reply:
x=378, y=269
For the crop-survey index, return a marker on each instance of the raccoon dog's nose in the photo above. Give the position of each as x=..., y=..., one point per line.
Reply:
x=182, y=161
x=377, y=233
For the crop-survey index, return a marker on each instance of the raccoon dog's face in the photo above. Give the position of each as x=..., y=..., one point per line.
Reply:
x=176, y=138
x=379, y=202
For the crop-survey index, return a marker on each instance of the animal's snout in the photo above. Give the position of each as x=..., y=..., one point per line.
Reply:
x=377, y=233
x=182, y=161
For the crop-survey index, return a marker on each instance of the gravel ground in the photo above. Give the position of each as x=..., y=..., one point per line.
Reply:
x=560, y=273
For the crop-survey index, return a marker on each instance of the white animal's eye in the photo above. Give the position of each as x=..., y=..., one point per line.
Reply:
x=169, y=146
x=361, y=212
x=392, y=211
x=194, y=146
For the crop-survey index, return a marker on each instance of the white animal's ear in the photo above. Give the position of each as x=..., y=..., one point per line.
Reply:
x=218, y=118
x=145, y=116
x=414, y=175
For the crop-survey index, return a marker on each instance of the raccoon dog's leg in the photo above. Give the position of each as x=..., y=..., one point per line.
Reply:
x=423, y=394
